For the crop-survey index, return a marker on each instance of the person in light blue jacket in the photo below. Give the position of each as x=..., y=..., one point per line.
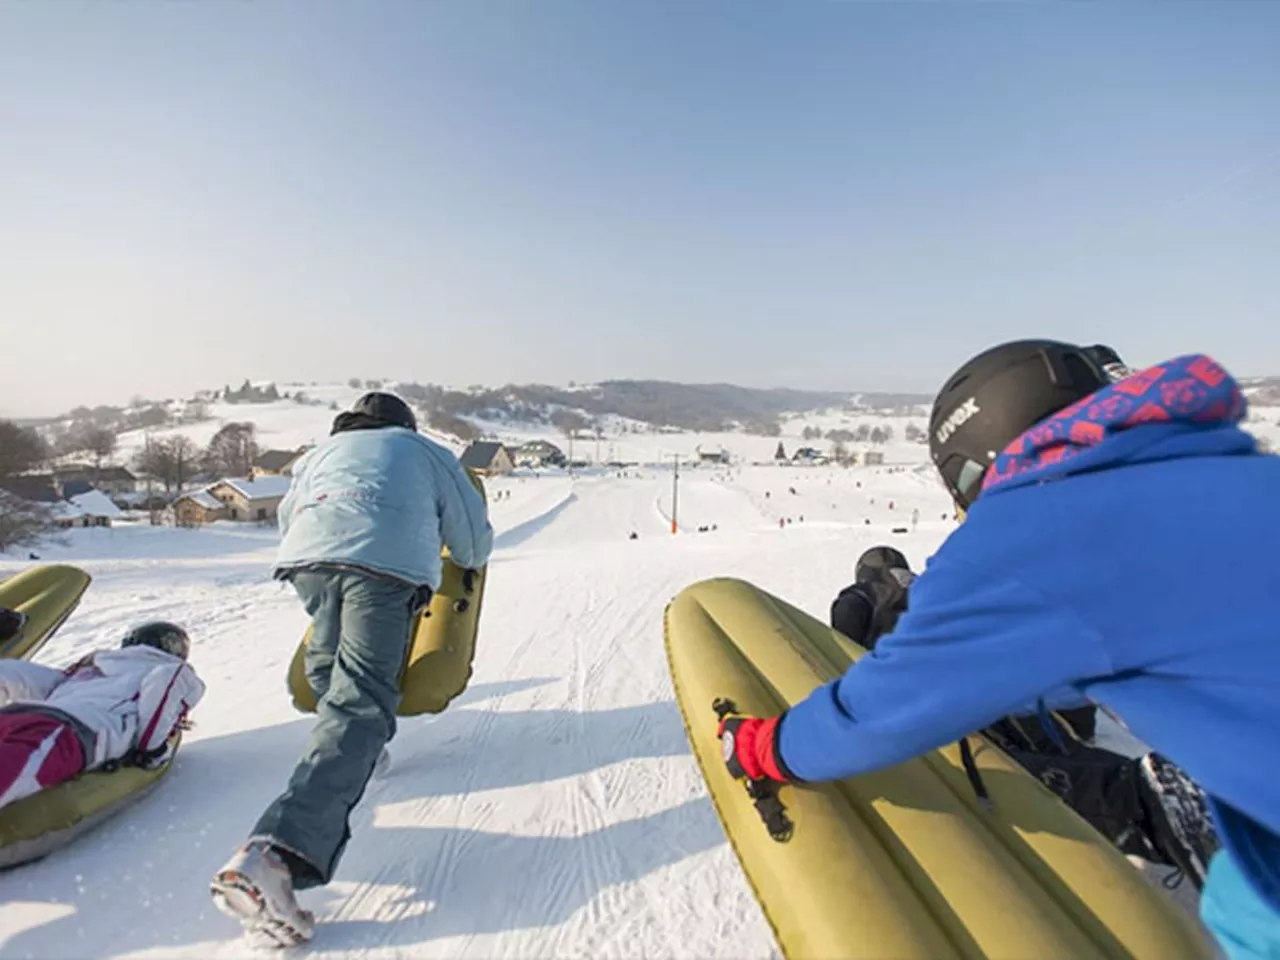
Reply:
x=363, y=525
x=1120, y=541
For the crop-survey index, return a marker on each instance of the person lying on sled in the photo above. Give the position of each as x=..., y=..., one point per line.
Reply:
x=112, y=706
x=1146, y=806
x=1120, y=542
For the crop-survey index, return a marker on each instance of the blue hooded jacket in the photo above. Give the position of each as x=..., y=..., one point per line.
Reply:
x=1124, y=548
x=383, y=500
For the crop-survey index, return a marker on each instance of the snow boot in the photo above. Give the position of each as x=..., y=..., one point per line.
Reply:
x=1177, y=816
x=256, y=888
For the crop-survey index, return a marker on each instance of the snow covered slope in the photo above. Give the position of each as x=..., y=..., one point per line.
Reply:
x=555, y=810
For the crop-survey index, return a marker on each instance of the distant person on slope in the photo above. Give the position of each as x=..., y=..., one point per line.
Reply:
x=1099, y=515
x=1146, y=806
x=362, y=525
x=113, y=705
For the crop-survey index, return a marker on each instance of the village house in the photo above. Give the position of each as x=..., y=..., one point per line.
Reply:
x=110, y=479
x=539, y=453
x=251, y=499
x=197, y=508
x=90, y=509
x=242, y=499
x=277, y=463
x=719, y=455
x=487, y=459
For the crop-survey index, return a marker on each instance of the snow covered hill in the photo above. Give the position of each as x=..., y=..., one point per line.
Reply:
x=554, y=810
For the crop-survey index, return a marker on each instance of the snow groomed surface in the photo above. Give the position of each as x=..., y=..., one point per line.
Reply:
x=47, y=595
x=905, y=862
x=444, y=644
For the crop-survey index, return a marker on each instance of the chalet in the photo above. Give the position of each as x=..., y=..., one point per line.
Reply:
x=713, y=456
x=115, y=480
x=873, y=458
x=90, y=509
x=539, y=453
x=487, y=458
x=195, y=509
x=250, y=498
x=277, y=463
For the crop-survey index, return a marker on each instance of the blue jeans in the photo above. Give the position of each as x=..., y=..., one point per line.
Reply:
x=361, y=629
x=1245, y=925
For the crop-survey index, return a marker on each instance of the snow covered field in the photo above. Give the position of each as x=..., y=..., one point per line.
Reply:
x=554, y=810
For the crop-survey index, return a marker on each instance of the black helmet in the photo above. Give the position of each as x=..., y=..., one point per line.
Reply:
x=162, y=635
x=872, y=564
x=386, y=407
x=995, y=398
x=1110, y=362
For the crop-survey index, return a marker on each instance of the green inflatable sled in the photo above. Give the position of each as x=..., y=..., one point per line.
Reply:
x=906, y=862
x=47, y=595
x=38, y=825
x=438, y=667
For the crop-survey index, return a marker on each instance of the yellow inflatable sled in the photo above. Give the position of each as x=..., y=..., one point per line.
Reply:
x=36, y=826
x=906, y=862
x=444, y=644
x=47, y=595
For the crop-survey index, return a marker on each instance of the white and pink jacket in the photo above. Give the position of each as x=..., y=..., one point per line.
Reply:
x=132, y=697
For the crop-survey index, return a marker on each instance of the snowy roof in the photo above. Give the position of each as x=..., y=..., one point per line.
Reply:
x=202, y=498
x=261, y=488
x=481, y=454
x=95, y=503
x=276, y=460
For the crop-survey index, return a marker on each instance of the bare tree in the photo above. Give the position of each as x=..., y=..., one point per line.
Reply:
x=101, y=442
x=232, y=451
x=23, y=523
x=840, y=451
x=914, y=433
x=21, y=449
x=863, y=433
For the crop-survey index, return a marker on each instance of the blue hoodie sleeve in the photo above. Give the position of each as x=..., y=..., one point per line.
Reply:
x=464, y=520
x=971, y=648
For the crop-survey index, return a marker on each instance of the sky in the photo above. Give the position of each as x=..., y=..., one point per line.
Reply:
x=830, y=195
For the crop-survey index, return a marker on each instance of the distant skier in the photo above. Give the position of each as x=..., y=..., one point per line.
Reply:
x=112, y=705
x=1146, y=806
x=915, y=519
x=362, y=525
x=1098, y=514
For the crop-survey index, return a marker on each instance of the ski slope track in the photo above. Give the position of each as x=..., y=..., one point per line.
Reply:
x=554, y=810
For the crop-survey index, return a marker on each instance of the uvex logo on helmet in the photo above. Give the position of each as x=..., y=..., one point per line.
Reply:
x=958, y=418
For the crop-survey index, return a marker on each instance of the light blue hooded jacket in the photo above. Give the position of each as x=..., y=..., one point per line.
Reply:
x=383, y=500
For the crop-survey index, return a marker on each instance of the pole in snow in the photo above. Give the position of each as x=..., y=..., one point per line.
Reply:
x=675, y=493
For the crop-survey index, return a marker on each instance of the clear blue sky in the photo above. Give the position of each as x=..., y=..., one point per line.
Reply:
x=837, y=195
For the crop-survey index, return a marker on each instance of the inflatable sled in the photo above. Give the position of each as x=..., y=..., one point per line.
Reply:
x=906, y=862
x=38, y=825
x=47, y=595
x=438, y=667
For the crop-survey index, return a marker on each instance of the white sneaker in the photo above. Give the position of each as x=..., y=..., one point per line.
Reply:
x=255, y=887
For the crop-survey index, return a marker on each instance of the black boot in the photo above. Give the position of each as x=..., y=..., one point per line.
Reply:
x=1178, y=820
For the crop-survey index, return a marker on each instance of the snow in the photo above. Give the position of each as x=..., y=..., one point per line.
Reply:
x=554, y=810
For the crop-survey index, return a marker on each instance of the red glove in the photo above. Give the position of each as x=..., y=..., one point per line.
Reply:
x=750, y=748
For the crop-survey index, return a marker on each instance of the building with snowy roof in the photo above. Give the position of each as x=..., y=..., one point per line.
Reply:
x=93, y=508
x=243, y=499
